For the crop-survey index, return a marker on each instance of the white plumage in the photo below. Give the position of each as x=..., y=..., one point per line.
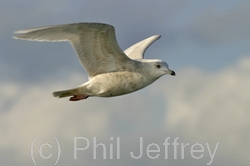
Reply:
x=111, y=71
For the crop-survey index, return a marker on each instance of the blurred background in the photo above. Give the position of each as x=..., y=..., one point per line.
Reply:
x=207, y=43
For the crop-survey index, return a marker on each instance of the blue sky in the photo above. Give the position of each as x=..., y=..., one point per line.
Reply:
x=205, y=42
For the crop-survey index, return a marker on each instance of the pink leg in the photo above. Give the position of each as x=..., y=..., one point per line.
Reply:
x=78, y=97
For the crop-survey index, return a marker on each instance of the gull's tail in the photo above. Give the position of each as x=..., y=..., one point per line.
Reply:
x=66, y=93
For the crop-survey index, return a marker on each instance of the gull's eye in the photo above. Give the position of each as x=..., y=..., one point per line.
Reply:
x=158, y=66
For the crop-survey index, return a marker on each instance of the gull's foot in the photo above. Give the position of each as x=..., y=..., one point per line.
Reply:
x=78, y=97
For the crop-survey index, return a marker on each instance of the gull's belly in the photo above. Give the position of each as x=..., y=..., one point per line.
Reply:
x=118, y=83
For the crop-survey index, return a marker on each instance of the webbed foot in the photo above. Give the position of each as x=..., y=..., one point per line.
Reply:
x=78, y=97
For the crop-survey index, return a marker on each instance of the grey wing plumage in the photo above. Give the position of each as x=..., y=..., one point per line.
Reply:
x=137, y=50
x=94, y=43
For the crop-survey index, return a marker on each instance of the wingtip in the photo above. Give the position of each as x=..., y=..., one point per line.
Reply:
x=14, y=37
x=19, y=32
x=157, y=36
x=18, y=37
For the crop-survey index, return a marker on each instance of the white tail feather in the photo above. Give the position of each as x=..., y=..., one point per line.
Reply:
x=66, y=93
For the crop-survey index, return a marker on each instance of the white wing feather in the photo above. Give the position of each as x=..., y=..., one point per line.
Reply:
x=137, y=50
x=94, y=43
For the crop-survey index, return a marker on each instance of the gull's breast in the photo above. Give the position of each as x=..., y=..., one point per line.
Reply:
x=118, y=83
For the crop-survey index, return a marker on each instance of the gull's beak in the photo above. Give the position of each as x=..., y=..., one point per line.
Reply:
x=169, y=71
x=172, y=73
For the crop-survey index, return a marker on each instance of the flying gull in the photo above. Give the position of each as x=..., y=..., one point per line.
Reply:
x=111, y=71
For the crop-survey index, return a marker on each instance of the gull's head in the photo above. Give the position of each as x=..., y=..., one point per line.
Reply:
x=160, y=68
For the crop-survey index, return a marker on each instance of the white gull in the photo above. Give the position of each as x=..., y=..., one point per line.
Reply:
x=111, y=71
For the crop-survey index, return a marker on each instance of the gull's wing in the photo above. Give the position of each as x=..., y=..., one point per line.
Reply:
x=94, y=43
x=137, y=50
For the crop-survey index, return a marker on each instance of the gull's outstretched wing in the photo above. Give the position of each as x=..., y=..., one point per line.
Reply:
x=94, y=43
x=137, y=50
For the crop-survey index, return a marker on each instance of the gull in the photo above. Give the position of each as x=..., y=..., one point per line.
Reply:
x=111, y=71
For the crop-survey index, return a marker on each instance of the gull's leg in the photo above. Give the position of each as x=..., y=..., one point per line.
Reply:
x=78, y=97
